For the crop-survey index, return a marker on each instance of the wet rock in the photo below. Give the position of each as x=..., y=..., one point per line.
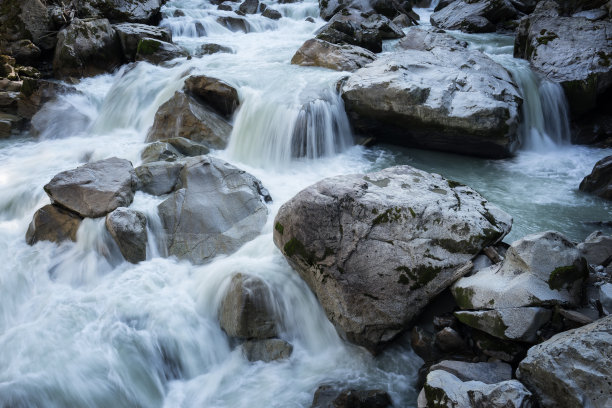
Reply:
x=10, y=125
x=224, y=7
x=246, y=310
x=488, y=373
x=53, y=223
x=450, y=99
x=130, y=35
x=234, y=23
x=159, y=151
x=319, y=53
x=217, y=209
x=25, y=52
x=422, y=342
x=94, y=189
x=443, y=389
x=328, y=8
x=403, y=21
x=597, y=247
x=377, y=248
x=515, y=323
x=266, y=350
x=86, y=48
x=567, y=371
x=593, y=15
x=249, y=6
x=160, y=177
x=208, y=49
x=132, y=11
x=504, y=350
x=474, y=16
x=26, y=19
x=539, y=269
x=599, y=182
x=183, y=116
x=129, y=230
x=187, y=147
x=605, y=296
x=156, y=51
x=330, y=396
x=213, y=92
x=272, y=14
x=448, y=339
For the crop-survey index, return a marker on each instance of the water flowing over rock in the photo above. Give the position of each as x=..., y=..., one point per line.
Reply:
x=208, y=49
x=599, y=182
x=213, y=92
x=94, y=189
x=156, y=51
x=86, y=48
x=266, y=350
x=570, y=369
x=272, y=14
x=130, y=35
x=475, y=16
x=319, y=53
x=377, y=248
x=129, y=230
x=456, y=100
x=217, y=209
x=53, y=223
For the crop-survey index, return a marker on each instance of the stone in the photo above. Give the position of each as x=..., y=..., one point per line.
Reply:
x=183, y=116
x=208, y=49
x=319, y=53
x=443, y=389
x=568, y=370
x=593, y=15
x=10, y=125
x=538, y=270
x=328, y=8
x=187, y=147
x=349, y=28
x=272, y=14
x=129, y=230
x=246, y=309
x=488, y=373
x=474, y=16
x=25, y=52
x=376, y=248
x=514, y=323
x=94, y=189
x=605, y=296
x=156, y=51
x=160, y=177
x=266, y=350
x=224, y=7
x=26, y=19
x=448, y=340
x=53, y=223
x=504, y=350
x=213, y=92
x=403, y=21
x=331, y=396
x=86, y=48
x=130, y=35
x=599, y=182
x=422, y=343
x=597, y=247
x=217, y=209
x=132, y=11
x=159, y=151
x=249, y=6
x=234, y=23
x=433, y=97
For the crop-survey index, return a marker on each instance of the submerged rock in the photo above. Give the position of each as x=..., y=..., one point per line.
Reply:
x=319, y=53
x=207, y=49
x=129, y=230
x=599, y=182
x=266, y=350
x=53, y=223
x=377, y=248
x=130, y=35
x=156, y=51
x=215, y=93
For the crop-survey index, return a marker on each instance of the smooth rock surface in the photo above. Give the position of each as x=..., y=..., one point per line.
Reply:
x=53, y=223
x=599, y=182
x=474, y=16
x=266, y=350
x=129, y=230
x=319, y=53
x=160, y=177
x=596, y=248
x=514, y=323
x=213, y=92
x=488, y=373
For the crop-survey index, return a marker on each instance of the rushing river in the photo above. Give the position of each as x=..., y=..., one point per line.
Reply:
x=79, y=327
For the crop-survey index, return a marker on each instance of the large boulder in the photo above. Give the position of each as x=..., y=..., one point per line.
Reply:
x=86, y=48
x=94, y=189
x=319, y=53
x=573, y=51
x=455, y=99
x=475, y=16
x=157, y=51
x=539, y=269
x=599, y=182
x=53, y=223
x=266, y=350
x=130, y=35
x=377, y=248
x=129, y=230
x=570, y=370
x=132, y=11
x=597, y=247
x=26, y=20
x=172, y=149
x=331, y=396
x=217, y=209
x=512, y=323
x=488, y=373
x=159, y=177
x=183, y=116
x=213, y=92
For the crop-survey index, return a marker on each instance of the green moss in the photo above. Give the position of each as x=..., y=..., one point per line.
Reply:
x=278, y=226
x=545, y=38
x=564, y=277
x=491, y=324
x=490, y=218
x=295, y=247
x=604, y=59
x=412, y=212
x=374, y=211
x=417, y=277
x=463, y=297
x=390, y=215
x=147, y=46
x=453, y=184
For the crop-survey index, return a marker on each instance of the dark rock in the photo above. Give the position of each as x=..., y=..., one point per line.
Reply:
x=504, y=350
x=129, y=230
x=53, y=223
x=266, y=350
x=160, y=177
x=448, y=339
x=215, y=93
x=319, y=53
x=159, y=151
x=599, y=182
x=118, y=11
x=234, y=23
x=130, y=35
x=474, y=16
x=422, y=343
x=513, y=323
x=488, y=373
x=271, y=14
x=352, y=28
x=249, y=6
x=25, y=52
x=224, y=7
x=26, y=20
x=330, y=396
x=187, y=147
x=207, y=49
x=156, y=51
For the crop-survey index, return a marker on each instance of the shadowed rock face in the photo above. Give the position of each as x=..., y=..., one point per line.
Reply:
x=213, y=92
x=474, y=16
x=599, y=182
x=129, y=230
x=376, y=248
x=52, y=223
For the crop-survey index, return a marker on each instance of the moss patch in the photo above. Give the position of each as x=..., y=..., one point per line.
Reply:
x=279, y=227
x=463, y=297
x=453, y=183
x=417, y=277
x=147, y=46
x=390, y=215
x=564, y=277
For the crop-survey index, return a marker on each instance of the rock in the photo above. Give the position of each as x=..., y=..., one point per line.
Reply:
x=86, y=48
x=156, y=51
x=597, y=247
x=605, y=296
x=213, y=92
x=456, y=100
x=504, y=350
x=474, y=16
x=130, y=35
x=403, y=21
x=567, y=371
x=442, y=4
x=319, y=53
x=352, y=28
x=443, y=389
x=159, y=151
x=515, y=323
x=26, y=20
x=575, y=52
x=488, y=373
x=328, y=8
x=593, y=15
x=207, y=49
x=234, y=23
x=539, y=269
x=330, y=396
x=183, y=116
x=132, y=11
x=25, y=52
x=448, y=339
x=160, y=177
x=599, y=182
x=94, y=189
x=422, y=343
x=246, y=310
x=272, y=14
x=217, y=209
x=310, y=20
x=10, y=125
x=249, y=6
x=129, y=230
x=224, y=7
x=53, y=223
x=266, y=350
x=187, y=147
x=377, y=248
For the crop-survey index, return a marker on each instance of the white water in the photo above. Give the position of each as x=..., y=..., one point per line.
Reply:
x=79, y=327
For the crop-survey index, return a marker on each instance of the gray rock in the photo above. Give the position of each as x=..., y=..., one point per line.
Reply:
x=249, y=6
x=94, y=189
x=488, y=373
x=183, y=116
x=86, y=48
x=156, y=51
x=159, y=151
x=328, y=8
x=474, y=16
x=596, y=248
x=10, y=125
x=129, y=230
x=26, y=19
x=443, y=389
x=449, y=340
x=319, y=53
x=272, y=14
x=570, y=369
x=53, y=223
x=208, y=49
x=605, y=296
x=352, y=28
x=266, y=350
x=593, y=15
x=187, y=147
x=455, y=100
x=218, y=208
x=132, y=11
x=213, y=92
x=504, y=350
x=224, y=7
x=130, y=35
x=599, y=182
x=514, y=323
x=403, y=21
x=539, y=269
x=234, y=23
x=158, y=178
x=377, y=248
x=331, y=396
x=246, y=310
